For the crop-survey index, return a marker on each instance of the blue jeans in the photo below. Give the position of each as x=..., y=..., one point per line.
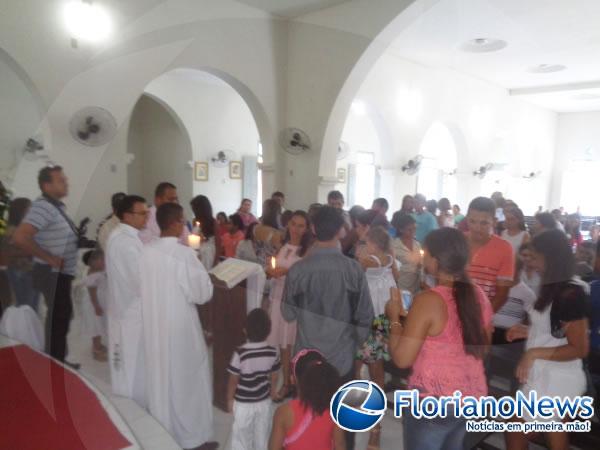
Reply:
x=434, y=434
x=22, y=285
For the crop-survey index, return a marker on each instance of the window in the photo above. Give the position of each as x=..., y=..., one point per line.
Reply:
x=259, y=185
x=364, y=182
x=577, y=192
x=436, y=177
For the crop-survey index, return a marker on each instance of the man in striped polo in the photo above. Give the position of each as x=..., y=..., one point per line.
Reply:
x=51, y=237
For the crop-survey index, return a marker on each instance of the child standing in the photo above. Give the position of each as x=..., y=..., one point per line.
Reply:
x=231, y=239
x=252, y=380
x=94, y=302
x=379, y=263
x=305, y=422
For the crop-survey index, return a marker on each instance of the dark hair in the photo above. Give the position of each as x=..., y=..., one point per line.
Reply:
x=307, y=238
x=277, y=194
x=285, y=217
x=167, y=214
x=327, y=222
x=335, y=195
x=456, y=206
x=449, y=247
x=245, y=200
x=249, y=236
x=431, y=206
x=547, y=220
x=317, y=381
x=354, y=212
x=222, y=214
x=444, y=204
x=559, y=265
x=126, y=205
x=116, y=199
x=236, y=220
x=515, y=211
x=405, y=199
x=271, y=213
x=312, y=210
x=91, y=255
x=161, y=188
x=17, y=210
x=401, y=220
x=45, y=175
x=382, y=203
x=203, y=213
x=483, y=204
x=367, y=217
x=258, y=325
x=380, y=237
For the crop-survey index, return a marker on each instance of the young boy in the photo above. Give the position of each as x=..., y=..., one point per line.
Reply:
x=94, y=303
x=252, y=384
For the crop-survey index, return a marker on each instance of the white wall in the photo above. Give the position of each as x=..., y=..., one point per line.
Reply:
x=578, y=138
x=489, y=124
x=19, y=119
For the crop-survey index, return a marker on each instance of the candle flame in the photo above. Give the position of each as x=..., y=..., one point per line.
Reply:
x=273, y=262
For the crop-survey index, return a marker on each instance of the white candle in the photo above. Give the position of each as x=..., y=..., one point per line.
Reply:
x=194, y=241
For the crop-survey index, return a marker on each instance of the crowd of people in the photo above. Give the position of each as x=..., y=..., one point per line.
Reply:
x=488, y=294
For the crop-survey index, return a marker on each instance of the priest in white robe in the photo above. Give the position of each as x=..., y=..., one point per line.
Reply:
x=178, y=379
x=124, y=309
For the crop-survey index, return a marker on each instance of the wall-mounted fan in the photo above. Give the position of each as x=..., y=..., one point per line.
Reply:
x=222, y=158
x=343, y=150
x=412, y=166
x=93, y=126
x=294, y=141
x=483, y=170
x=34, y=150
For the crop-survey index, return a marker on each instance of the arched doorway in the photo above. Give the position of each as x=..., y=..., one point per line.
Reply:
x=208, y=117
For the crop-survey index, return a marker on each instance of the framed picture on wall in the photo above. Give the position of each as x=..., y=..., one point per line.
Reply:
x=235, y=170
x=341, y=175
x=201, y=171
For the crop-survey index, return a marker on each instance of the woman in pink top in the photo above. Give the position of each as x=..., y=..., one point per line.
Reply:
x=444, y=338
x=305, y=423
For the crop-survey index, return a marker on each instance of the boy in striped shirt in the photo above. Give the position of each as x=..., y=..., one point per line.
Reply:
x=252, y=384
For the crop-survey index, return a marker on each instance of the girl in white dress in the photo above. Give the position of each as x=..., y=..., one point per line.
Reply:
x=516, y=231
x=558, y=338
x=381, y=271
x=93, y=303
x=283, y=334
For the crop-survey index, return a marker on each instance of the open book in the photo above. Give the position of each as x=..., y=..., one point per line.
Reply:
x=232, y=271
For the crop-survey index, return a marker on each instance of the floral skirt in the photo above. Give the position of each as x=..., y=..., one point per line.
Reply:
x=375, y=347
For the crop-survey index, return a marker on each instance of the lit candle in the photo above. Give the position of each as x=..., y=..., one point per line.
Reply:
x=273, y=262
x=194, y=241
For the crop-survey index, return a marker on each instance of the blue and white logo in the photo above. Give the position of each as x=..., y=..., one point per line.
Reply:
x=358, y=405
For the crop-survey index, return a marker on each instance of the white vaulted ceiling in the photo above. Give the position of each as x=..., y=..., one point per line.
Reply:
x=536, y=31
x=292, y=8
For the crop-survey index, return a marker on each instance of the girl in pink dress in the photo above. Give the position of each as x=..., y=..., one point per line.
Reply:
x=283, y=334
x=304, y=423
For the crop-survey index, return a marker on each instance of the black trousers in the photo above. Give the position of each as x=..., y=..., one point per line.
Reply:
x=56, y=289
x=350, y=437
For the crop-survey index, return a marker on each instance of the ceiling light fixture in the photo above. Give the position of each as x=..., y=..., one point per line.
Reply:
x=547, y=68
x=483, y=45
x=87, y=21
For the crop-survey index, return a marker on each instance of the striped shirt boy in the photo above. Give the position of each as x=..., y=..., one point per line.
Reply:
x=254, y=362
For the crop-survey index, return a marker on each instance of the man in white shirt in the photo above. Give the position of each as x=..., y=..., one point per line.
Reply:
x=178, y=381
x=124, y=312
x=164, y=193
